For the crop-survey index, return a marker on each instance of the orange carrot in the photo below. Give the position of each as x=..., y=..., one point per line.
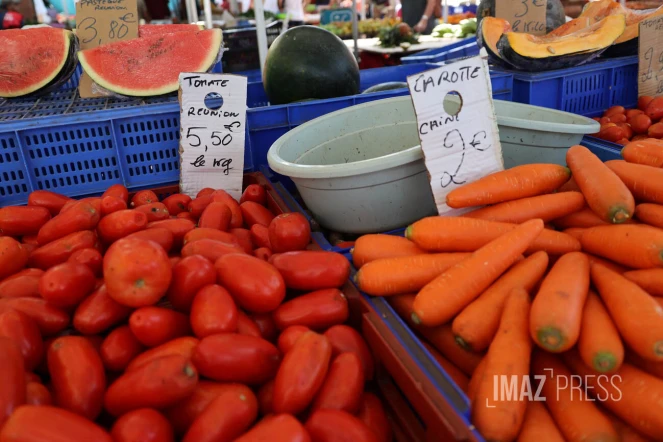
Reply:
x=557, y=308
x=379, y=246
x=650, y=280
x=539, y=425
x=476, y=325
x=632, y=394
x=439, y=337
x=648, y=152
x=607, y=263
x=604, y=192
x=626, y=432
x=459, y=234
x=577, y=417
x=599, y=344
x=635, y=246
x=497, y=418
x=569, y=186
x=405, y=274
x=511, y=184
x=546, y=207
x=637, y=315
x=644, y=182
x=475, y=381
x=454, y=372
x=441, y=299
x=651, y=214
x=575, y=232
x=654, y=368
x=583, y=218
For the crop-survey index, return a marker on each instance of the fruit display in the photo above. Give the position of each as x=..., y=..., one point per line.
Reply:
x=130, y=318
x=455, y=19
x=366, y=28
x=398, y=35
x=463, y=29
x=555, y=16
x=620, y=125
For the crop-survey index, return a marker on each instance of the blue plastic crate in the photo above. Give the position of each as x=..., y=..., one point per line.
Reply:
x=466, y=47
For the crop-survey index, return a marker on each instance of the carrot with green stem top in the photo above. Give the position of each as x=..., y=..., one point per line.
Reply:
x=511, y=184
x=650, y=280
x=651, y=214
x=460, y=234
x=476, y=325
x=545, y=207
x=583, y=218
x=557, y=308
x=635, y=246
x=648, y=152
x=644, y=182
x=637, y=315
x=500, y=419
x=444, y=297
x=539, y=425
x=599, y=344
x=379, y=246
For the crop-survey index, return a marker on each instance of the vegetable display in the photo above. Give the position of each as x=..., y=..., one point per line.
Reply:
x=464, y=28
x=644, y=124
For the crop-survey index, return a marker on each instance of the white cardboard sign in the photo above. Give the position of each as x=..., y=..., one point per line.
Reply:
x=650, y=56
x=458, y=148
x=212, y=139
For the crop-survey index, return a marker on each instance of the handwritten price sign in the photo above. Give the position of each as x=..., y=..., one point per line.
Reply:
x=650, y=51
x=212, y=123
x=91, y=30
x=524, y=15
x=460, y=139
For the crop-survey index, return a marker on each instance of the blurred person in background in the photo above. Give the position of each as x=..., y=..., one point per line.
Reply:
x=420, y=14
x=10, y=18
x=294, y=10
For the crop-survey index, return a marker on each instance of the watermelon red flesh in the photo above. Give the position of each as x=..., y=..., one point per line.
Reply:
x=151, y=65
x=31, y=58
x=148, y=30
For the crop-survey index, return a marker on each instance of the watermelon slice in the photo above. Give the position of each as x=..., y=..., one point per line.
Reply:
x=150, y=66
x=31, y=59
x=148, y=30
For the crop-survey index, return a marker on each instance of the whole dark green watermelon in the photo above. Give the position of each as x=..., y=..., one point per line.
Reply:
x=307, y=62
x=555, y=16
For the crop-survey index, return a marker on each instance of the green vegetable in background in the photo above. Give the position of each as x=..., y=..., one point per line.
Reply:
x=465, y=28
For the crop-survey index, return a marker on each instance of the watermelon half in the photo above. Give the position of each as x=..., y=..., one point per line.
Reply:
x=149, y=30
x=32, y=59
x=150, y=66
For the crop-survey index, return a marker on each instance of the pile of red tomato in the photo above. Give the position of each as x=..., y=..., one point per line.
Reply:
x=620, y=125
x=204, y=320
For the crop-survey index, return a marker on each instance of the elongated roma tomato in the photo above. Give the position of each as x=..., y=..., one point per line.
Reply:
x=98, y=312
x=144, y=425
x=215, y=216
x=82, y=216
x=338, y=426
x=266, y=324
x=24, y=284
x=214, y=234
x=67, y=284
x=260, y=236
x=181, y=346
x=120, y=224
x=225, y=418
x=231, y=357
x=189, y=276
x=255, y=193
x=158, y=384
x=301, y=373
x=244, y=239
x=23, y=330
x=22, y=220
x=37, y=394
x=137, y=272
x=312, y=270
x=236, y=219
x=159, y=235
x=266, y=398
x=12, y=373
x=262, y=253
x=50, y=320
x=177, y=203
x=210, y=249
x=346, y=339
x=317, y=310
x=371, y=413
x=91, y=258
x=32, y=423
x=154, y=211
x=13, y=256
x=117, y=191
x=289, y=232
x=119, y=348
x=247, y=326
x=60, y=250
x=143, y=197
x=213, y=311
x=289, y=336
x=50, y=200
x=154, y=326
x=178, y=227
x=279, y=428
x=344, y=385
x=112, y=204
x=77, y=375
x=254, y=213
x=198, y=205
x=255, y=285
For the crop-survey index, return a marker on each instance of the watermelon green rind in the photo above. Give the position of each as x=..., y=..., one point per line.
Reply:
x=24, y=51
x=150, y=66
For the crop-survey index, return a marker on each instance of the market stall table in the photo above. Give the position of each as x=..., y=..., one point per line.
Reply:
x=373, y=55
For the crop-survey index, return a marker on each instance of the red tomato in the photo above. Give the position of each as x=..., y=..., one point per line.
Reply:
x=213, y=234
x=13, y=256
x=95, y=340
x=262, y=253
x=144, y=197
x=639, y=137
x=289, y=232
x=640, y=123
x=22, y=220
x=654, y=109
x=255, y=193
x=77, y=375
x=154, y=326
x=213, y=311
x=266, y=398
x=174, y=260
x=44, y=423
x=187, y=216
x=317, y=310
x=117, y=191
x=66, y=285
x=37, y=394
x=198, y=205
x=302, y=373
x=312, y=270
x=82, y=216
x=159, y=383
x=22, y=284
x=137, y=272
x=181, y=346
x=256, y=285
x=615, y=110
x=142, y=425
x=338, y=426
x=231, y=357
x=289, y=336
x=94, y=201
x=178, y=226
x=612, y=132
x=618, y=118
x=243, y=238
x=50, y=320
x=266, y=324
x=247, y=326
x=205, y=191
x=221, y=196
x=120, y=224
x=254, y=213
x=630, y=113
x=371, y=413
x=177, y=203
x=50, y=200
x=182, y=414
x=119, y=348
x=99, y=312
x=60, y=250
x=623, y=141
x=655, y=130
x=279, y=428
x=346, y=339
x=112, y=204
x=210, y=249
x=260, y=236
x=23, y=330
x=215, y=216
x=604, y=120
x=643, y=102
x=189, y=276
x=628, y=130
x=154, y=211
x=12, y=373
x=159, y=235
x=91, y=258
x=30, y=239
x=344, y=385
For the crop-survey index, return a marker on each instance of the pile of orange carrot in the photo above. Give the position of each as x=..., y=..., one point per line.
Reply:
x=555, y=271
